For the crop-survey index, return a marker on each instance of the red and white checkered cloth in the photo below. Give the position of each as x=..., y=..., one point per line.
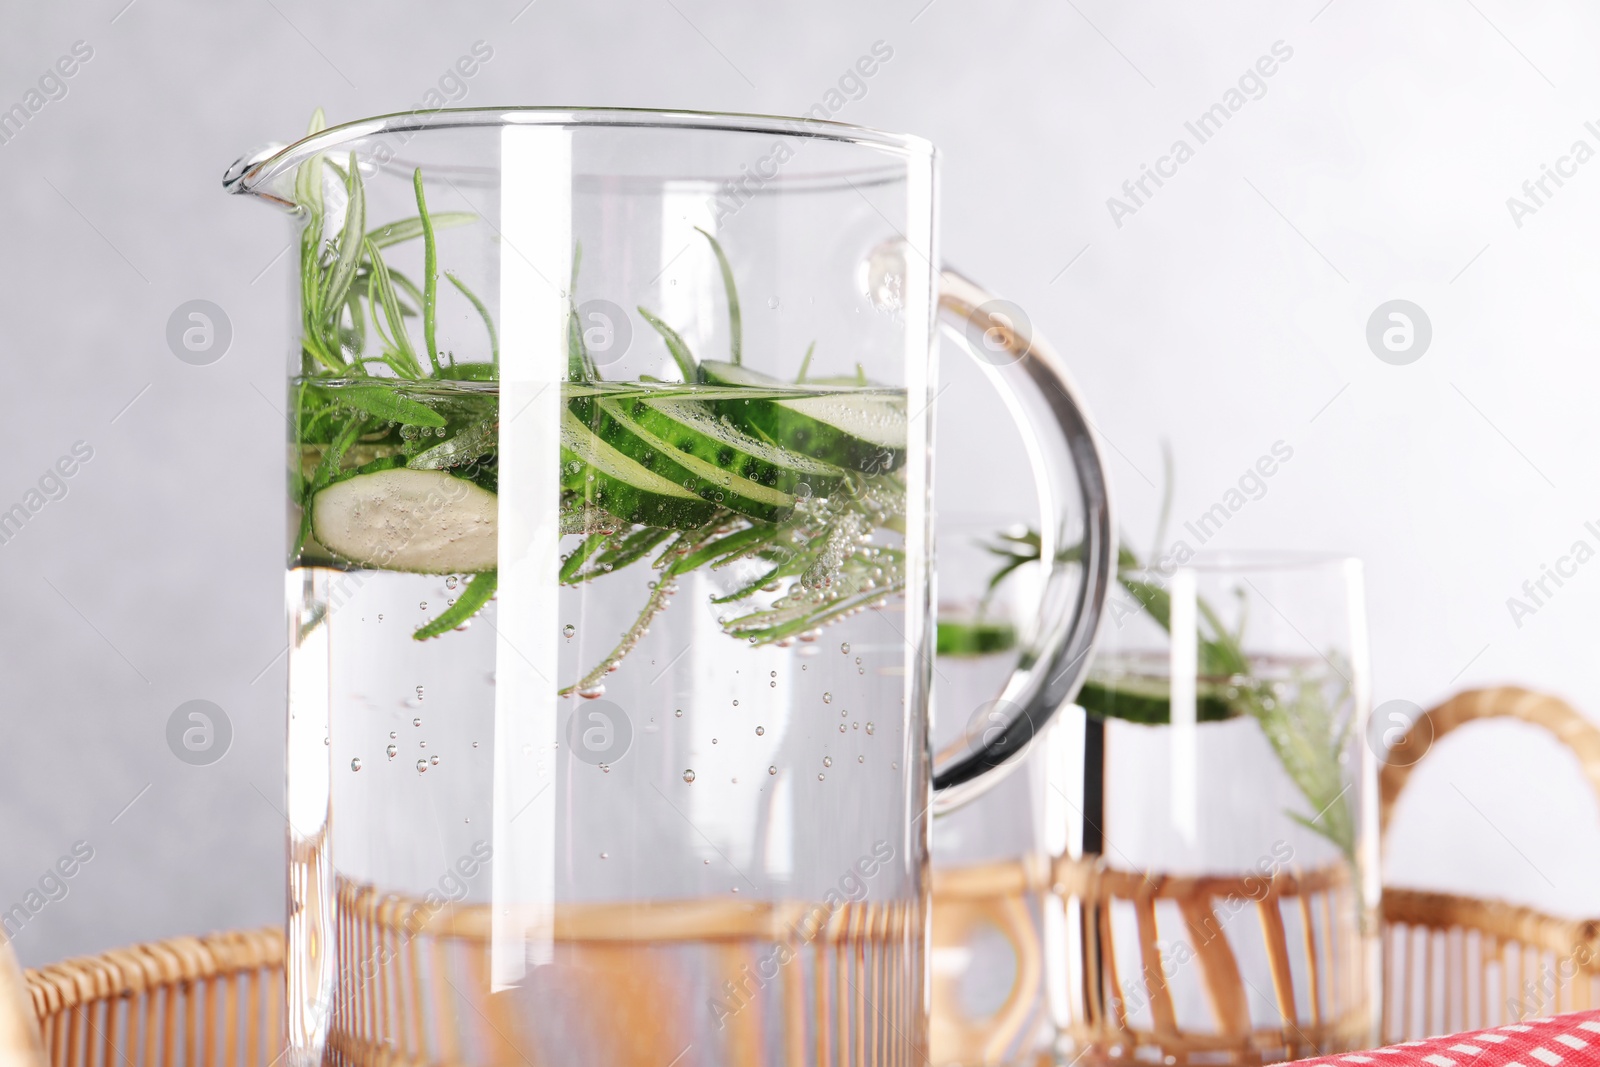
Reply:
x=1570, y=1040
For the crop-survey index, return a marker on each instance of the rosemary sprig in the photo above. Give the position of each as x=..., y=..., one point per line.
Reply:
x=355, y=308
x=1296, y=715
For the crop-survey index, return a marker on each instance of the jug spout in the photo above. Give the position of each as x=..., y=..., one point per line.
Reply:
x=234, y=179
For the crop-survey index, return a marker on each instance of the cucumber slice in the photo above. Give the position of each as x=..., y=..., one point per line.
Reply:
x=611, y=481
x=972, y=638
x=845, y=427
x=422, y=521
x=692, y=427
x=659, y=456
x=1145, y=701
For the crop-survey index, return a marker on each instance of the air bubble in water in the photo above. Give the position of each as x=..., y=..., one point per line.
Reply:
x=392, y=735
x=605, y=855
x=593, y=692
x=568, y=630
x=419, y=692
x=417, y=721
x=760, y=730
x=773, y=769
x=678, y=713
x=688, y=775
x=422, y=605
x=422, y=765
x=821, y=776
x=355, y=764
x=861, y=759
x=451, y=582
x=827, y=761
x=870, y=728
x=845, y=648
x=433, y=761
x=392, y=750
x=827, y=698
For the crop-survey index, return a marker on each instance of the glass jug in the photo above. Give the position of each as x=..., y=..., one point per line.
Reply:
x=610, y=585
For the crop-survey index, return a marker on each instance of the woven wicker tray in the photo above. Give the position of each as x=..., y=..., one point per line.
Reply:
x=1451, y=963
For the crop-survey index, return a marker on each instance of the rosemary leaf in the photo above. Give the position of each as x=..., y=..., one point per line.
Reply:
x=688, y=366
x=483, y=313
x=474, y=595
x=735, y=320
x=382, y=402
x=430, y=273
x=410, y=229
x=337, y=281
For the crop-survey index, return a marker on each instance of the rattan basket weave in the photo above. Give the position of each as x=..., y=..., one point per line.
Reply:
x=1450, y=962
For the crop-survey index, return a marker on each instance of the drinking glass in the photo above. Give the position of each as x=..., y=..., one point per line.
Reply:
x=1219, y=869
x=610, y=585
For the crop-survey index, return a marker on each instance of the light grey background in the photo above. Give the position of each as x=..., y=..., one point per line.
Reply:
x=1228, y=313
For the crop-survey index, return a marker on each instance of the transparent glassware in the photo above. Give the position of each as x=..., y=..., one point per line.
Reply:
x=610, y=584
x=991, y=858
x=1218, y=802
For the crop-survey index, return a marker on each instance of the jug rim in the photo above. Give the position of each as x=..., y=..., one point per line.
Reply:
x=254, y=171
x=1247, y=561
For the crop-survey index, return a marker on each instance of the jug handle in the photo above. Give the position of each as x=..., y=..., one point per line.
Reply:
x=1028, y=372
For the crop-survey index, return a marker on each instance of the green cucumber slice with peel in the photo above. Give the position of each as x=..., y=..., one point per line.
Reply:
x=421, y=521
x=660, y=457
x=972, y=638
x=690, y=426
x=607, y=479
x=845, y=427
x=1147, y=701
